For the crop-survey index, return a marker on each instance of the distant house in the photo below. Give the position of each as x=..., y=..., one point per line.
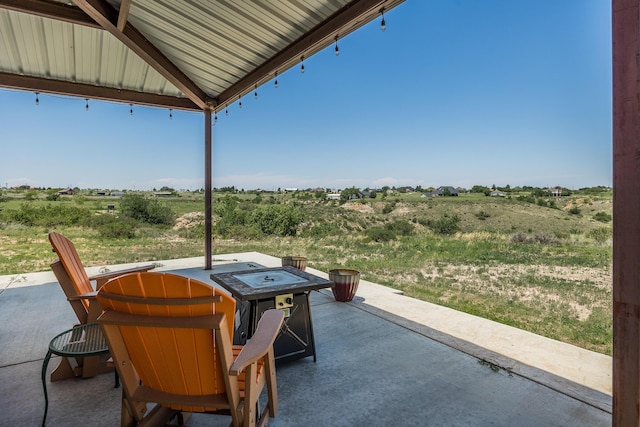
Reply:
x=445, y=190
x=556, y=191
x=117, y=194
x=163, y=194
x=66, y=192
x=496, y=193
x=333, y=196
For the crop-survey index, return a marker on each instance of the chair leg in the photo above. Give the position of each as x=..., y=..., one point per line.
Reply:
x=63, y=371
x=272, y=388
x=250, y=396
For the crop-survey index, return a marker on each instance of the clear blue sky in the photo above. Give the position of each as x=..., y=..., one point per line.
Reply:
x=455, y=92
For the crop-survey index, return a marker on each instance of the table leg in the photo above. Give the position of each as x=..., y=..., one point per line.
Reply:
x=313, y=339
x=45, y=364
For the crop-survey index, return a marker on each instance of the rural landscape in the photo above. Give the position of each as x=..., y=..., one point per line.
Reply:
x=533, y=258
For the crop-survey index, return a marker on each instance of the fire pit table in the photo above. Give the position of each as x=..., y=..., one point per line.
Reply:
x=284, y=288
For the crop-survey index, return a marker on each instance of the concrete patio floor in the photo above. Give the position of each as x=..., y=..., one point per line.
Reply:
x=382, y=359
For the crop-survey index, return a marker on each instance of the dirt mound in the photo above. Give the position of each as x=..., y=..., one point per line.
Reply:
x=189, y=220
x=358, y=207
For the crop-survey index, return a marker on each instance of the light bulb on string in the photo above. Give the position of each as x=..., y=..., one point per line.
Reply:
x=170, y=114
x=383, y=24
x=215, y=118
x=255, y=93
x=302, y=66
x=239, y=102
x=131, y=109
x=275, y=82
x=226, y=110
x=86, y=105
x=337, y=50
x=37, y=99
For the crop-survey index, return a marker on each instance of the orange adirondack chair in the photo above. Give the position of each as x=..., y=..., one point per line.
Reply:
x=77, y=287
x=170, y=338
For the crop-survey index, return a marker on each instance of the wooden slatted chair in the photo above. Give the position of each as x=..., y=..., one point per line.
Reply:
x=170, y=337
x=77, y=287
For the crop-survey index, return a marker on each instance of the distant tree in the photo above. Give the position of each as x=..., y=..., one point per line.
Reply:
x=348, y=192
x=31, y=195
x=146, y=210
x=480, y=189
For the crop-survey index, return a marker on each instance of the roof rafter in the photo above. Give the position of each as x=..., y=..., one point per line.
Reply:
x=107, y=17
x=123, y=14
x=343, y=22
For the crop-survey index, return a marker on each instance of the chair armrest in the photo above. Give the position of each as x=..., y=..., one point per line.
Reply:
x=261, y=341
x=93, y=311
x=103, y=278
x=88, y=295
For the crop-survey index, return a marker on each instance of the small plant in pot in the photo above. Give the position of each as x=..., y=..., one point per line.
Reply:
x=345, y=283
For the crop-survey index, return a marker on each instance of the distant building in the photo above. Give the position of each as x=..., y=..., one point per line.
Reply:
x=556, y=191
x=333, y=196
x=445, y=190
x=66, y=192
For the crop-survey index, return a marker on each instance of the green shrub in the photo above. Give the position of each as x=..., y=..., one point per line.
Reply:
x=539, y=238
x=118, y=230
x=600, y=235
x=47, y=216
x=388, y=207
x=482, y=215
x=446, y=225
x=380, y=234
x=232, y=218
x=279, y=220
x=322, y=230
x=602, y=217
x=574, y=210
x=401, y=227
x=147, y=210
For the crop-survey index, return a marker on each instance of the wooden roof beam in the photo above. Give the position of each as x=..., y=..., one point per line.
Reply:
x=49, y=9
x=82, y=90
x=107, y=17
x=343, y=22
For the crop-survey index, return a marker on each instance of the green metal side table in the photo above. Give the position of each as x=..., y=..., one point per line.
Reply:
x=79, y=341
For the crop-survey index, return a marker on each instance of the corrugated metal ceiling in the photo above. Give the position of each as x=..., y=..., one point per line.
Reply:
x=206, y=51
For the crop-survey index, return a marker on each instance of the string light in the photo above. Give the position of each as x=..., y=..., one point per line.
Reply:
x=275, y=82
x=170, y=114
x=337, y=50
x=131, y=109
x=302, y=66
x=86, y=105
x=255, y=93
x=37, y=100
x=239, y=102
x=215, y=118
x=226, y=109
x=383, y=24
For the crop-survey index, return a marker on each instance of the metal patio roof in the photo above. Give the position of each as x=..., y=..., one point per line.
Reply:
x=182, y=54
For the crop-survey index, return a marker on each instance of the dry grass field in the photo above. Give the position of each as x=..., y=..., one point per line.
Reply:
x=543, y=264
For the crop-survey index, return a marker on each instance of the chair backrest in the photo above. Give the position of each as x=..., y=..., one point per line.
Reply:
x=68, y=256
x=170, y=330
